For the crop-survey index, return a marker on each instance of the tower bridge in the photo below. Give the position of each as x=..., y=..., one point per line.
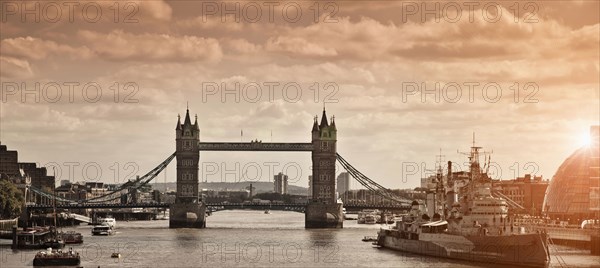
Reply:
x=322, y=212
x=189, y=211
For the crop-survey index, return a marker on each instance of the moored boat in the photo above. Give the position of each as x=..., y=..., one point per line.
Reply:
x=72, y=237
x=163, y=216
x=360, y=219
x=471, y=225
x=370, y=219
x=391, y=219
x=54, y=243
x=37, y=238
x=52, y=257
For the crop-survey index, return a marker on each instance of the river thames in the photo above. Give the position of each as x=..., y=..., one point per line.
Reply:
x=247, y=238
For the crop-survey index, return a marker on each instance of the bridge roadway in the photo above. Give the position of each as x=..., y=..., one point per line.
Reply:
x=291, y=206
x=255, y=146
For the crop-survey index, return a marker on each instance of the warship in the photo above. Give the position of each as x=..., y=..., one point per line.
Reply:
x=468, y=223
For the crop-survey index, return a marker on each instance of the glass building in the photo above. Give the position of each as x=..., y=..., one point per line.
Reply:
x=574, y=191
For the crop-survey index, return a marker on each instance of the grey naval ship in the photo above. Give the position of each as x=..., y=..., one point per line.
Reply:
x=469, y=223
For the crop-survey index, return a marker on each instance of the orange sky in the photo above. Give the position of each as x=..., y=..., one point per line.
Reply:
x=371, y=61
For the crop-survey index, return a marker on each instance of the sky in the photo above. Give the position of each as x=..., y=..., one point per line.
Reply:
x=94, y=88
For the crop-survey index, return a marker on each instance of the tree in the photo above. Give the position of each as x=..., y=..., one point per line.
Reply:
x=11, y=200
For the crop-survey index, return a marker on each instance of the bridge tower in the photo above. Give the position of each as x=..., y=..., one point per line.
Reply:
x=323, y=211
x=188, y=210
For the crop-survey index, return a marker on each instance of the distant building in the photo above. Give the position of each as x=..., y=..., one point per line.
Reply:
x=218, y=196
x=280, y=182
x=528, y=191
x=72, y=191
x=430, y=182
x=343, y=183
x=10, y=166
x=39, y=177
x=95, y=189
x=251, y=189
x=574, y=191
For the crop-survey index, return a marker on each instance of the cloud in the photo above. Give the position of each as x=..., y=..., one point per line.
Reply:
x=15, y=68
x=241, y=46
x=38, y=49
x=310, y=73
x=299, y=47
x=24, y=117
x=159, y=10
x=121, y=46
x=368, y=39
x=210, y=23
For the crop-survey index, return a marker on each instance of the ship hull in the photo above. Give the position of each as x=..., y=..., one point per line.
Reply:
x=56, y=261
x=518, y=250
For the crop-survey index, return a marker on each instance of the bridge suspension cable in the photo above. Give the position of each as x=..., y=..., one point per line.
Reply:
x=135, y=184
x=370, y=184
x=115, y=194
x=48, y=195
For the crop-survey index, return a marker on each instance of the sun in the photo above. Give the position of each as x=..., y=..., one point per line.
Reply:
x=585, y=140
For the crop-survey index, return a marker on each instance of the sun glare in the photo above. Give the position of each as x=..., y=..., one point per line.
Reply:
x=585, y=139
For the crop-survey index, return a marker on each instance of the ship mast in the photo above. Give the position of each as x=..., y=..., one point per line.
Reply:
x=54, y=204
x=474, y=165
x=475, y=171
x=54, y=198
x=440, y=191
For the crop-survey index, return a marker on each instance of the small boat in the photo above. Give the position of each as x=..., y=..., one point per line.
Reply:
x=102, y=230
x=267, y=211
x=72, y=237
x=52, y=257
x=54, y=243
x=163, y=216
x=369, y=239
x=108, y=221
x=370, y=219
x=115, y=255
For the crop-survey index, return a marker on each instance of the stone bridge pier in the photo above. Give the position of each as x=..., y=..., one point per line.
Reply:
x=188, y=210
x=323, y=211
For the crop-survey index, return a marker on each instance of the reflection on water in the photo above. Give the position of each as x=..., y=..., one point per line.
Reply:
x=242, y=238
